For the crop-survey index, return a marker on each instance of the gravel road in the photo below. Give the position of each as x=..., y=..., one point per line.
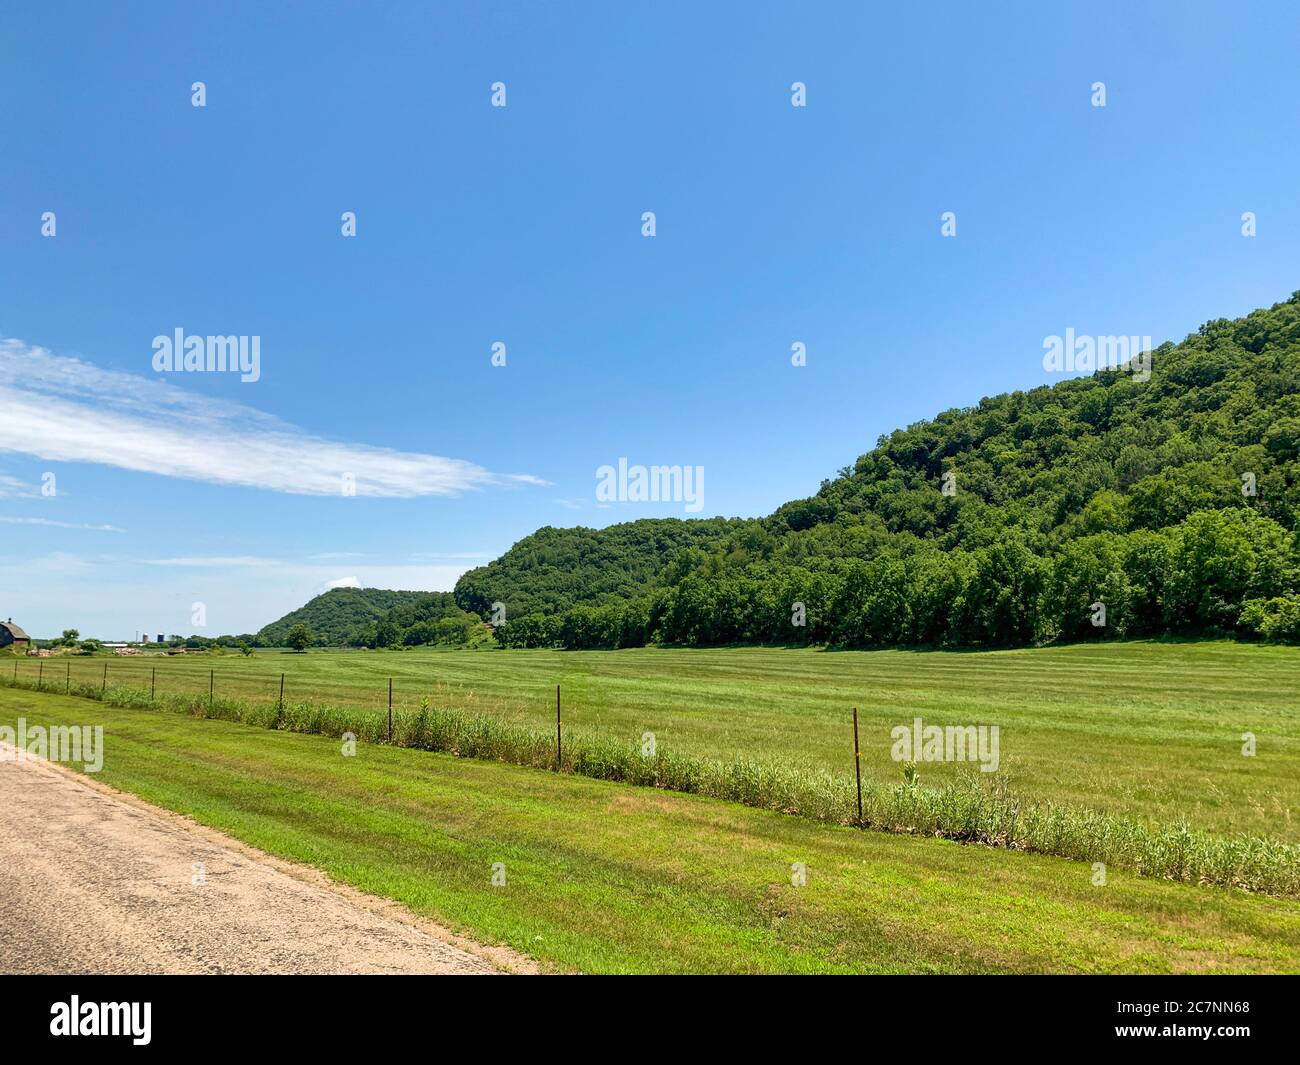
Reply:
x=93, y=881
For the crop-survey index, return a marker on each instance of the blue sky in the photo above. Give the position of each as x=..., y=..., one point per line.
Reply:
x=522, y=224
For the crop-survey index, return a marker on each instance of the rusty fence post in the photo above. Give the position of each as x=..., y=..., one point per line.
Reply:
x=857, y=762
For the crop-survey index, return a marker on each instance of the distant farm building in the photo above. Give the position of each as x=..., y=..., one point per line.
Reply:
x=12, y=636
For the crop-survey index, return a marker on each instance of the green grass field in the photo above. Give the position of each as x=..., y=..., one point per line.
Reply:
x=602, y=877
x=1152, y=730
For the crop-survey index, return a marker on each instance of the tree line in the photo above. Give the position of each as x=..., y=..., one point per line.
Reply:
x=1217, y=573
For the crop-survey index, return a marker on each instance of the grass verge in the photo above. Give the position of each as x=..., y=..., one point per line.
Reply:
x=605, y=878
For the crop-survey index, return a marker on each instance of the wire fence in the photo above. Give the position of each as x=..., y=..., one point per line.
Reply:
x=57, y=674
x=60, y=672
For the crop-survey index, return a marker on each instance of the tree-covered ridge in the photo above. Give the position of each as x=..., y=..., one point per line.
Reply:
x=1094, y=453
x=335, y=615
x=375, y=617
x=555, y=569
x=429, y=618
x=1172, y=502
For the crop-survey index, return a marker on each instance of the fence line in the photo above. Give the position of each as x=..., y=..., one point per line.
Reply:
x=253, y=679
x=127, y=673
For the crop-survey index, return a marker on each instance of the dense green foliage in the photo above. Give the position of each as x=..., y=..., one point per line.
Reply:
x=1173, y=502
x=365, y=617
x=430, y=618
x=335, y=615
x=555, y=569
x=300, y=637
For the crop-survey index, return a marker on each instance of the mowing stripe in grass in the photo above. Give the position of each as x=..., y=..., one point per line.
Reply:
x=1149, y=730
x=969, y=810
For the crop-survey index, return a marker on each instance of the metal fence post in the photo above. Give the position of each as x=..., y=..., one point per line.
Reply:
x=390, y=709
x=212, y=683
x=281, y=703
x=153, y=683
x=559, y=740
x=104, y=686
x=857, y=762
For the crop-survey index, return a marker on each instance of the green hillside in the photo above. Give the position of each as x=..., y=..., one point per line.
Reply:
x=1171, y=501
x=429, y=618
x=373, y=617
x=335, y=615
x=555, y=569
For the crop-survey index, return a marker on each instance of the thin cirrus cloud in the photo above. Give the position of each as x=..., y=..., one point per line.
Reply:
x=212, y=561
x=60, y=524
x=11, y=486
x=67, y=410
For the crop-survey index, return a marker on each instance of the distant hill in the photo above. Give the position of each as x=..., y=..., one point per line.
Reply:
x=335, y=615
x=1172, y=501
x=374, y=617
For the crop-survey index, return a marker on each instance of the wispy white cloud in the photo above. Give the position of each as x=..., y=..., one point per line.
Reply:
x=213, y=561
x=60, y=524
x=413, y=556
x=12, y=486
x=343, y=582
x=66, y=410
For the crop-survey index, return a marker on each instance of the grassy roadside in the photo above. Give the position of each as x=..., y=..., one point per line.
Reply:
x=606, y=878
x=1145, y=729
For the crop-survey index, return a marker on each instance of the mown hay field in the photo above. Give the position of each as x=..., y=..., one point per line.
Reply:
x=1145, y=729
